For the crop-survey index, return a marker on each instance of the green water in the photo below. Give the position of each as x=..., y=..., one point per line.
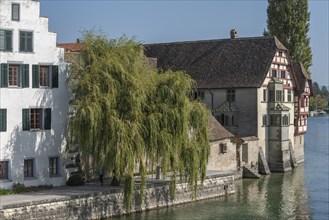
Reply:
x=300, y=194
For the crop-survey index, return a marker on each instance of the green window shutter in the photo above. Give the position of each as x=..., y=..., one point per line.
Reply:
x=9, y=41
x=26, y=119
x=54, y=76
x=25, y=76
x=47, y=118
x=3, y=120
x=4, y=75
x=35, y=76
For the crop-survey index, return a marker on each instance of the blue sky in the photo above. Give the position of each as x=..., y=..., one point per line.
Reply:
x=167, y=21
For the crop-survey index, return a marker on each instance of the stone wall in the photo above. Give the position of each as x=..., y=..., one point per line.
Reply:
x=107, y=204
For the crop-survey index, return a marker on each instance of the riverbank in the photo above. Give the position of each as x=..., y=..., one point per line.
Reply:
x=93, y=201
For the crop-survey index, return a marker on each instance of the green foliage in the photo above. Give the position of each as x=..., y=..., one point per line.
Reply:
x=6, y=192
x=126, y=113
x=76, y=179
x=289, y=21
x=18, y=188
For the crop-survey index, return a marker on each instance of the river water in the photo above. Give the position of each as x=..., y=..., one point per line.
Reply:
x=300, y=194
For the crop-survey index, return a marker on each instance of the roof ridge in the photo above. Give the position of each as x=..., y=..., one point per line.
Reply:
x=209, y=40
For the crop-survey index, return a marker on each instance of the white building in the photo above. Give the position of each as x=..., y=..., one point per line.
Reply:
x=33, y=98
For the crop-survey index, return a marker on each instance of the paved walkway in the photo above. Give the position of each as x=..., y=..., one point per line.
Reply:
x=68, y=191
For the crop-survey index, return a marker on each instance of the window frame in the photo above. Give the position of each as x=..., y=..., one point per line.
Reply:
x=7, y=34
x=222, y=148
x=30, y=121
x=4, y=168
x=52, y=167
x=230, y=95
x=29, y=164
x=289, y=95
x=42, y=81
x=26, y=49
x=18, y=13
x=265, y=95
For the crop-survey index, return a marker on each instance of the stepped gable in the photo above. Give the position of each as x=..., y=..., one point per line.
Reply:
x=217, y=131
x=301, y=76
x=226, y=63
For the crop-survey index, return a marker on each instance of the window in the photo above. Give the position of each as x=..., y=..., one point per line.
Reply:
x=53, y=166
x=44, y=76
x=233, y=120
x=222, y=148
x=25, y=41
x=6, y=40
x=28, y=168
x=302, y=101
x=289, y=95
x=285, y=120
x=14, y=75
x=271, y=96
x=283, y=95
x=15, y=12
x=283, y=74
x=278, y=96
x=280, y=53
x=3, y=170
x=3, y=120
x=265, y=95
x=226, y=120
x=264, y=120
x=230, y=95
x=275, y=120
x=274, y=73
x=36, y=119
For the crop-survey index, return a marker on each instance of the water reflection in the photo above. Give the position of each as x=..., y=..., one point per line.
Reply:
x=277, y=196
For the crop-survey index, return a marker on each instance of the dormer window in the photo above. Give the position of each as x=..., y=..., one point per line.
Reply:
x=15, y=13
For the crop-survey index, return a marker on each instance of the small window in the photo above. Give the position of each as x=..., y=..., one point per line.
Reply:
x=6, y=40
x=53, y=166
x=14, y=75
x=278, y=96
x=274, y=73
x=3, y=120
x=4, y=170
x=285, y=120
x=233, y=120
x=230, y=95
x=25, y=41
x=36, y=119
x=265, y=95
x=283, y=95
x=280, y=53
x=226, y=123
x=283, y=74
x=289, y=95
x=44, y=76
x=271, y=96
x=264, y=120
x=15, y=13
x=29, y=168
x=222, y=148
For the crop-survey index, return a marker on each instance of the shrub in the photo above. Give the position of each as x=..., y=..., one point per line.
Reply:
x=18, y=187
x=76, y=179
x=5, y=192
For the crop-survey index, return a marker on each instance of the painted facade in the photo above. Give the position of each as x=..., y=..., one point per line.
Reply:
x=33, y=98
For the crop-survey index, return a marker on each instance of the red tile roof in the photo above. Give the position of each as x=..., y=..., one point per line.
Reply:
x=71, y=47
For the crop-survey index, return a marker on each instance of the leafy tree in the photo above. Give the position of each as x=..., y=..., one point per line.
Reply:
x=325, y=92
x=289, y=21
x=127, y=115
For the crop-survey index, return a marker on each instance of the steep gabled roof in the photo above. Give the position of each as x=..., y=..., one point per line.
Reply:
x=301, y=76
x=217, y=131
x=227, y=63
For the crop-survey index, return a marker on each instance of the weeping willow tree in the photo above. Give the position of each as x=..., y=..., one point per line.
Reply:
x=128, y=115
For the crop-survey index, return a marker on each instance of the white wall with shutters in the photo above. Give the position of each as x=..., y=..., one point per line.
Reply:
x=16, y=144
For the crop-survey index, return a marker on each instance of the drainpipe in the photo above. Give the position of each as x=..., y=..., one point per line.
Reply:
x=212, y=100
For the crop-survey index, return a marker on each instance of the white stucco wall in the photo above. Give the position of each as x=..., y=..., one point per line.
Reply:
x=16, y=144
x=222, y=161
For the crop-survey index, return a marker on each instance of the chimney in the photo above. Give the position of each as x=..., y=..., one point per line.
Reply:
x=78, y=40
x=234, y=34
